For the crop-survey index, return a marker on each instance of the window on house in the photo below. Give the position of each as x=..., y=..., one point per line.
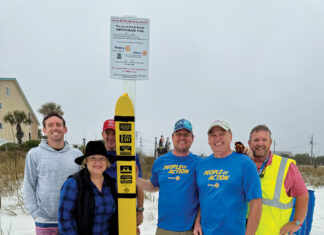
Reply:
x=1, y=127
x=8, y=91
x=29, y=136
x=0, y=105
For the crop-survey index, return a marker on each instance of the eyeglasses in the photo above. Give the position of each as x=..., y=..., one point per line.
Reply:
x=93, y=159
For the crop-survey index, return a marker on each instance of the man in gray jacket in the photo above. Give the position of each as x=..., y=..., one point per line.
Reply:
x=47, y=167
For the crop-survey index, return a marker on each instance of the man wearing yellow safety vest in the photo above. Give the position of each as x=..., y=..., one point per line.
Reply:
x=280, y=182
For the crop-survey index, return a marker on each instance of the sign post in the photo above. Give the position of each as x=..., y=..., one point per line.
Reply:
x=129, y=61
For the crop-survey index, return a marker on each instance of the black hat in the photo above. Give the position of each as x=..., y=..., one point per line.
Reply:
x=92, y=148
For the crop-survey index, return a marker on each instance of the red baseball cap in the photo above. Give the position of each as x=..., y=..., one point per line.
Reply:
x=109, y=124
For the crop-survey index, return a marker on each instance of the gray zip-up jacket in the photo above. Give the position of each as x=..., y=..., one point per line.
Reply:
x=46, y=169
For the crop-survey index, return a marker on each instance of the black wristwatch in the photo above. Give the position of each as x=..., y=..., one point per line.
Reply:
x=140, y=209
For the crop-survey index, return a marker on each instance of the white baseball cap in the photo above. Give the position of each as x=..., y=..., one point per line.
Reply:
x=221, y=123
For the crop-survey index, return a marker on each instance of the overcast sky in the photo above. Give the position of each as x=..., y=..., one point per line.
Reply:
x=251, y=62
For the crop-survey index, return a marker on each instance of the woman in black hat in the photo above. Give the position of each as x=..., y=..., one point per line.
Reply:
x=88, y=198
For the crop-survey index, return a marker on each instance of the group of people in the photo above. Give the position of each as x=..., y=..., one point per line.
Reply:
x=163, y=146
x=68, y=192
x=227, y=192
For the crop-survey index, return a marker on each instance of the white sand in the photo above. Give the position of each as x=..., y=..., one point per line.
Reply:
x=23, y=224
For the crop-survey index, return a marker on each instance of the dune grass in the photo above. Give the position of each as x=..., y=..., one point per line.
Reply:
x=313, y=176
x=12, y=172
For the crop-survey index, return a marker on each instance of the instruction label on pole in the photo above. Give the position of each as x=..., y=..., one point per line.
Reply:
x=129, y=48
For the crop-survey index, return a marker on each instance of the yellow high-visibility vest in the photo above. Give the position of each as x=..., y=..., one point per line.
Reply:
x=276, y=204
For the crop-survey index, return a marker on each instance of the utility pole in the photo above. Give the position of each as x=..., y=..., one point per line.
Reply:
x=141, y=146
x=155, y=148
x=136, y=136
x=312, y=144
x=274, y=146
x=138, y=150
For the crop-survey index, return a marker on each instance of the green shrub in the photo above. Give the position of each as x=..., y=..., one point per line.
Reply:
x=9, y=147
x=26, y=146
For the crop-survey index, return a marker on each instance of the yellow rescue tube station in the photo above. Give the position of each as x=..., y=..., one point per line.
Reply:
x=126, y=176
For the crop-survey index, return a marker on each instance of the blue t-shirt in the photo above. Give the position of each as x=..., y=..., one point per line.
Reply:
x=225, y=186
x=178, y=195
x=112, y=171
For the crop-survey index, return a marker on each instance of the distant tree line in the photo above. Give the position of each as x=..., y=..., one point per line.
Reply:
x=305, y=159
x=17, y=117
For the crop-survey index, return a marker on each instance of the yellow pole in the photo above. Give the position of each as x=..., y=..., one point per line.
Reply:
x=125, y=152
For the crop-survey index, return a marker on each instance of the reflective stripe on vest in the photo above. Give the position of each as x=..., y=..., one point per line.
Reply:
x=275, y=201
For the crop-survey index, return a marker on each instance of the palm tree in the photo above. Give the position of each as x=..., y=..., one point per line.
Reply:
x=17, y=118
x=50, y=107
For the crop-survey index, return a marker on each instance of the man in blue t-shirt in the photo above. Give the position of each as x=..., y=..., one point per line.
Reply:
x=173, y=174
x=109, y=138
x=226, y=182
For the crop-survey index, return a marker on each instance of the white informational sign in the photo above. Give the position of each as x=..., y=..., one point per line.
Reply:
x=129, y=48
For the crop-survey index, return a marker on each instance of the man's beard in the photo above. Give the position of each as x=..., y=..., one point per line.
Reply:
x=182, y=150
x=259, y=156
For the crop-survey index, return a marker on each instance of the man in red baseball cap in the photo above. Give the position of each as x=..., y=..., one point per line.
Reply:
x=109, y=137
